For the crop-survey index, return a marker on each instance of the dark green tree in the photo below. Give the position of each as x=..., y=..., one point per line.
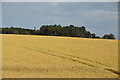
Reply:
x=108, y=36
x=55, y=30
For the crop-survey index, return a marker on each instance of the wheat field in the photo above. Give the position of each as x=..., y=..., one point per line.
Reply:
x=31, y=56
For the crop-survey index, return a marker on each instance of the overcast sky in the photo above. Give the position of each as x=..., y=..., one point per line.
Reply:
x=0, y=14
x=98, y=17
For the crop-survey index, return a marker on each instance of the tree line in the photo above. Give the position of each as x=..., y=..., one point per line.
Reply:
x=56, y=30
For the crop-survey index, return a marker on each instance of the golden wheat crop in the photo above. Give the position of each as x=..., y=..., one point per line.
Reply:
x=30, y=56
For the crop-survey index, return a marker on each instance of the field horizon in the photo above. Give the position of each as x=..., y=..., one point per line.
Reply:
x=32, y=56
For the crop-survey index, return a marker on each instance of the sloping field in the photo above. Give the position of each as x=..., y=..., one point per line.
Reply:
x=30, y=56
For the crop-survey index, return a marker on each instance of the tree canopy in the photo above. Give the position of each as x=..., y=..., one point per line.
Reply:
x=56, y=30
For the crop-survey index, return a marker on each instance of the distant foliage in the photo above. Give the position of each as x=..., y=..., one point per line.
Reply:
x=71, y=31
x=56, y=30
x=108, y=36
x=14, y=30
